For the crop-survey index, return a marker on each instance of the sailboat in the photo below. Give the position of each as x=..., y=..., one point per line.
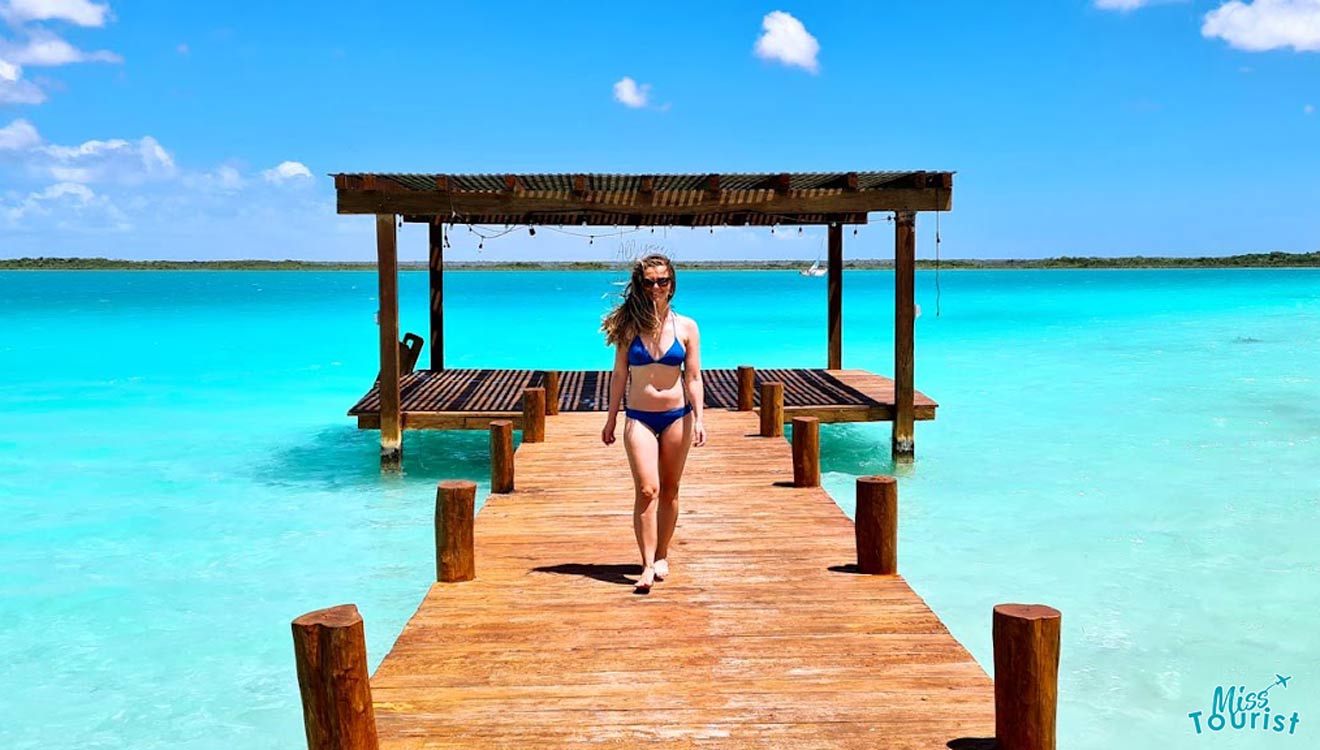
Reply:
x=814, y=270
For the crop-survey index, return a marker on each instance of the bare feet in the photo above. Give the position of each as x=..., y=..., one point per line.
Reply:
x=643, y=584
x=661, y=570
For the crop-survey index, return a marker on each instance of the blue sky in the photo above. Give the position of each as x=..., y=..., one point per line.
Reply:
x=1077, y=127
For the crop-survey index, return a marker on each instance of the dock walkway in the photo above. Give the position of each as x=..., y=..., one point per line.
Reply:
x=761, y=637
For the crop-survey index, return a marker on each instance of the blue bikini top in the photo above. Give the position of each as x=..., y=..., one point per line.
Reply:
x=638, y=355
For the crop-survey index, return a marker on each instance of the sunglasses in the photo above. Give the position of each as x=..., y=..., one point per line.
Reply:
x=663, y=283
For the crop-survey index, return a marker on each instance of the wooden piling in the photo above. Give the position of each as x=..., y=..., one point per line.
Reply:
x=876, y=525
x=455, y=509
x=1026, y=645
x=806, y=452
x=387, y=271
x=436, y=279
x=501, y=456
x=330, y=651
x=551, y=392
x=746, y=387
x=772, y=410
x=905, y=262
x=834, y=290
x=534, y=415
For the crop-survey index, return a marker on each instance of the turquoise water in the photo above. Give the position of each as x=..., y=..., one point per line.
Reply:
x=178, y=480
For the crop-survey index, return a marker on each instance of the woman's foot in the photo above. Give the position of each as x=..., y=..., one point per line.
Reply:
x=661, y=570
x=643, y=584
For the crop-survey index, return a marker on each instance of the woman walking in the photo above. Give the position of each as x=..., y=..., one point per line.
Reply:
x=657, y=362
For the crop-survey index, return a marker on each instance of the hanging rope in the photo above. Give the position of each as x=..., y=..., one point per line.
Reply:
x=937, y=251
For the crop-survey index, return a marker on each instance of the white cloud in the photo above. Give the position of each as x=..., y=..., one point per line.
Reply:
x=786, y=40
x=1260, y=25
x=630, y=94
x=45, y=48
x=115, y=160
x=66, y=206
x=1120, y=4
x=15, y=90
x=286, y=171
x=182, y=49
x=1309, y=109
x=80, y=12
x=18, y=135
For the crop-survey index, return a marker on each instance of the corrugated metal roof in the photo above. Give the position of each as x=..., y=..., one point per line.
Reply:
x=655, y=199
x=609, y=182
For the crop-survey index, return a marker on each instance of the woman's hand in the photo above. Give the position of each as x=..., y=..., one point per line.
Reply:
x=698, y=434
x=607, y=434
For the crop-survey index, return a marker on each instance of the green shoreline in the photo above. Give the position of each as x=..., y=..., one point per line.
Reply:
x=1253, y=260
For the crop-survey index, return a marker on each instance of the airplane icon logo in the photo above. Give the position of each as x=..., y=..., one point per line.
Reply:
x=1278, y=680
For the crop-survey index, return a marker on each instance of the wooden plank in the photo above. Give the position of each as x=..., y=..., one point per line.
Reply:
x=757, y=638
x=387, y=272
x=456, y=398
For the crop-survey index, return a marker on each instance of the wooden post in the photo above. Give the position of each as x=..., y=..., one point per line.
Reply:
x=905, y=263
x=533, y=415
x=772, y=410
x=835, y=287
x=437, y=284
x=455, y=507
x=876, y=525
x=551, y=392
x=806, y=452
x=330, y=650
x=746, y=387
x=501, y=456
x=1026, y=644
x=387, y=269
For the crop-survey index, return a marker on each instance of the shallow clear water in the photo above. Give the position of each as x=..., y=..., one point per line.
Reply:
x=178, y=480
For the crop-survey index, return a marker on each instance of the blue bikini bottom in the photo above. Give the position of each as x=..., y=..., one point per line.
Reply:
x=658, y=420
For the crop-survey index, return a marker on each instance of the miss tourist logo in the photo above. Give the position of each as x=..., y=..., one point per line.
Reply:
x=1235, y=708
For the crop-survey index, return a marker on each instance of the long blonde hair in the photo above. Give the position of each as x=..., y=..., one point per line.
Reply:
x=636, y=313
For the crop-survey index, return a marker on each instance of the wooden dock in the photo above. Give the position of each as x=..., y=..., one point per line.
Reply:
x=763, y=636
x=467, y=399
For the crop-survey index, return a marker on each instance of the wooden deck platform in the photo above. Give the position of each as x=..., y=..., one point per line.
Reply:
x=762, y=637
x=460, y=399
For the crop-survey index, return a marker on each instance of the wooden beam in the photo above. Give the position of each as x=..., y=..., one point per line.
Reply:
x=905, y=262
x=780, y=183
x=387, y=271
x=835, y=301
x=436, y=266
x=847, y=181
x=663, y=203
x=442, y=183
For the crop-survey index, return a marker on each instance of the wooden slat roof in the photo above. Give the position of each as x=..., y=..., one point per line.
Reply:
x=644, y=199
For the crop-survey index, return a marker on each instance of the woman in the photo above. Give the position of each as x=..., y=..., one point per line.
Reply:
x=657, y=360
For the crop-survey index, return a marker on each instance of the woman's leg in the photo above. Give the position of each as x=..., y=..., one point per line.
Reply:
x=641, y=446
x=674, y=445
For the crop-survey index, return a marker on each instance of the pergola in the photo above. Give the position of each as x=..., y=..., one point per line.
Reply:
x=832, y=199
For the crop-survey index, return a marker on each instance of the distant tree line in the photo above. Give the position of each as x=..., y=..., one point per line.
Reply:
x=1250, y=260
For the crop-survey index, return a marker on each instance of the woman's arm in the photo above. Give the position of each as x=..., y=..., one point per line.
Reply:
x=692, y=375
x=619, y=381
